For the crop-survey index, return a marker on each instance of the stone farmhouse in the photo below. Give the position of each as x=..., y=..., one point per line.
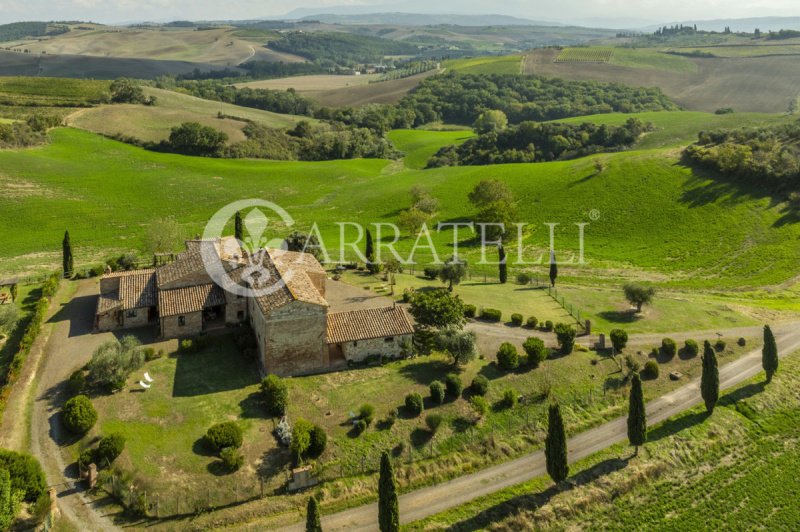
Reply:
x=296, y=330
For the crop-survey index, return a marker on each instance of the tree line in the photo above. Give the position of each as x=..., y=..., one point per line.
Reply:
x=536, y=142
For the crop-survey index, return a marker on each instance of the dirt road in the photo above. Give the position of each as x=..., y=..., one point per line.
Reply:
x=422, y=503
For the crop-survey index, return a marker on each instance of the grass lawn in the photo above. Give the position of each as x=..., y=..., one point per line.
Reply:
x=419, y=146
x=736, y=469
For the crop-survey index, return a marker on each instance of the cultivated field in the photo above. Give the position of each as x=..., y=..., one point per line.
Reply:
x=584, y=55
x=153, y=123
x=315, y=83
x=25, y=91
x=754, y=84
x=507, y=64
x=222, y=46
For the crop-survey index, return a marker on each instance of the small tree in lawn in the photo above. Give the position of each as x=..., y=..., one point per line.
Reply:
x=565, y=334
x=637, y=420
x=460, y=345
x=66, y=256
x=639, y=295
x=388, y=508
x=369, y=253
x=553, y=268
x=238, y=230
x=709, y=382
x=503, y=265
x=619, y=339
x=555, y=445
x=275, y=394
x=536, y=351
x=453, y=272
x=437, y=309
x=313, y=523
x=769, y=354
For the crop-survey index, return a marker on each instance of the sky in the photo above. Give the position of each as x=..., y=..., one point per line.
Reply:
x=644, y=11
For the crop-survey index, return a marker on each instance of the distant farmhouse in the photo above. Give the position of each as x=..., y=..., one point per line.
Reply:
x=296, y=332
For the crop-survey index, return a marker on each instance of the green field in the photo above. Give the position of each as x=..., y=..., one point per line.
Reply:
x=62, y=92
x=667, y=229
x=647, y=58
x=735, y=470
x=419, y=146
x=758, y=50
x=506, y=64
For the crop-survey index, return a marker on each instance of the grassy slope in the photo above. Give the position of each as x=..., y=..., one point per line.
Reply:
x=419, y=146
x=651, y=59
x=154, y=123
x=737, y=469
x=654, y=214
x=51, y=91
x=508, y=64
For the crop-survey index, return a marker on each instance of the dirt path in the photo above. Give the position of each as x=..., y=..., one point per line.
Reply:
x=69, y=347
x=424, y=502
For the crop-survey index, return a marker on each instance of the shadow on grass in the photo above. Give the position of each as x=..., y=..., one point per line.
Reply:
x=201, y=448
x=217, y=368
x=426, y=371
x=621, y=316
x=420, y=437
x=218, y=468
x=253, y=407
x=462, y=424
x=532, y=501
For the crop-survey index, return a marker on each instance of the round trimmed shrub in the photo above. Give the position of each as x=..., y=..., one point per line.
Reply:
x=566, y=337
x=470, y=311
x=275, y=394
x=414, y=404
x=532, y=322
x=437, y=392
x=720, y=345
x=433, y=421
x=431, y=273
x=76, y=384
x=109, y=448
x=651, y=370
x=79, y=414
x=669, y=347
x=509, y=398
x=453, y=385
x=319, y=440
x=516, y=319
x=548, y=326
x=507, y=356
x=742, y=342
x=232, y=459
x=491, y=314
x=523, y=278
x=480, y=385
x=691, y=348
x=536, y=351
x=619, y=339
x=221, y=435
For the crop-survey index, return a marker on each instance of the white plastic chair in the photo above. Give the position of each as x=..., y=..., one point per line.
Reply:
x=148, y=378
x=144, y=385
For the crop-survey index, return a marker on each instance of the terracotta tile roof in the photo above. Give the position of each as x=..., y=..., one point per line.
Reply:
x=138, y=291
x=369, y=323
x=187, y=263
x=288, y=268
x=108, y=302
x=126, y=273
x=190, y=299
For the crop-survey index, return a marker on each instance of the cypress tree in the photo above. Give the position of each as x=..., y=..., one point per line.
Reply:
x=388, y=510
x=66, y=255
x=637, y=420
x=238, y=232
x=555, y=445
x=501, y=252
x=369, y=253
x=312, y=516
x=769, y=354
x=709, y=382
x=553, y=268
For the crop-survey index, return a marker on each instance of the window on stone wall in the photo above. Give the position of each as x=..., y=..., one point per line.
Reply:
x=389, y=339
x=240, y=315
x=181, y=321
x=131, y=313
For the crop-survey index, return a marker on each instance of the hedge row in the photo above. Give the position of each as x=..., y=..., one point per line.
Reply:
x=49, y=289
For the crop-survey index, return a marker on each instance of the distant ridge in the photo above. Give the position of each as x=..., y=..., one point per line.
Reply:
x=333, y=16
x=740, y=24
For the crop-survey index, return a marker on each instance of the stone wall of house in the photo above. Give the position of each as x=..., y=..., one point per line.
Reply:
x=293, y=339
x=139, y=320
x=358, y=351
x=233, y=305
x=193, y=325
x=107, y=321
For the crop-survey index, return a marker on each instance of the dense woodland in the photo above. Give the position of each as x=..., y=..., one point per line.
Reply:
x=461, y=98
x=340, y=49
x=20, y=30
x=534, y=142
x=766, y=157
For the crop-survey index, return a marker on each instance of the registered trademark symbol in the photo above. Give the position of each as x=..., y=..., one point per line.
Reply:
x=594, y=215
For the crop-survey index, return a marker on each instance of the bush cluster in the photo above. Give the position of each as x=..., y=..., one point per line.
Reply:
x=507, y=356
x=222, y=435
x=437, y=392
x=491, y=314
x=414, y=404
x=276, y=395
x=480, y=385
x=516, y=319
x=79, y=414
